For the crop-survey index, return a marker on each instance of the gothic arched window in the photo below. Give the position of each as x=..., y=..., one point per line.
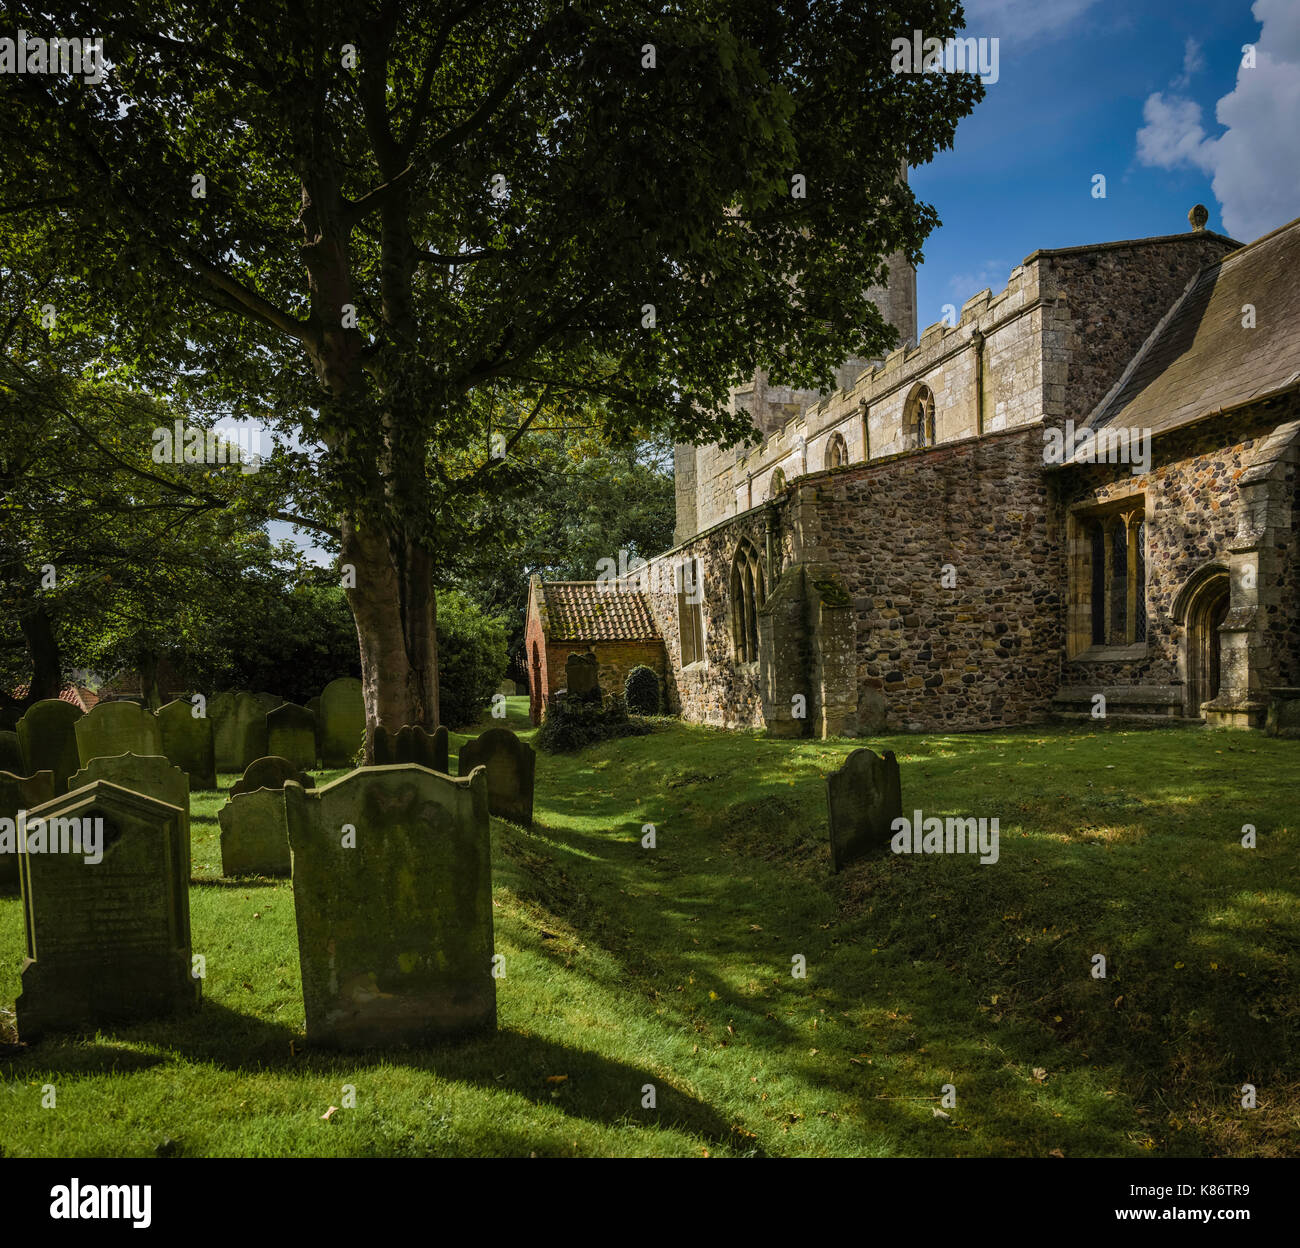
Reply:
x=837, y=451
x=746, y=598
x=918, y=419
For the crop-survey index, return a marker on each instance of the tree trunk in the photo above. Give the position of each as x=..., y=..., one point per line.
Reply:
x=43, y=647
x=390, y=590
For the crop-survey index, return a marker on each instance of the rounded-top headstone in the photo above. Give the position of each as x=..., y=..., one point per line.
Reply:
x=114, y=728
x=582, y=677
x=291, y=734
x=511, y=765
x=187, y=742
x=19, y=793
x=342, y=721
x=270, y=772
x=48, y=738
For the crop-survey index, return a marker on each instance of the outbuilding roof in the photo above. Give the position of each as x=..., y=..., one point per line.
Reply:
x=595, y=611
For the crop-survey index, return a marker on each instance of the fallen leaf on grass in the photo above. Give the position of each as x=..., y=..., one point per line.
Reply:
x=938, y=1113
x=329, y=1113
x=556, y=1078
x=1040, y=1075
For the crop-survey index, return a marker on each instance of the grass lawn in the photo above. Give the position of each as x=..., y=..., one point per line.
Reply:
x=671, y=966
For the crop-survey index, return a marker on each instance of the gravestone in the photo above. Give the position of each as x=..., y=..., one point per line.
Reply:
x=863, y=798
x=48, y=737
x=582, y=678
x=249, y=716
x=313, y=706
x=18, y=793
x=291, y=734
x=221, y=711
x=412, y=744
x=11, y=753
x=151, y=774
x=187, y=742
x=270, y=773
x=254, y=836
x=106, y=940
x=113, y=728
x=392, y=890
x=342, y=721
x=510, y=764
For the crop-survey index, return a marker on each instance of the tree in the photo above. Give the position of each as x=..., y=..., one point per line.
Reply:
x=401, y=230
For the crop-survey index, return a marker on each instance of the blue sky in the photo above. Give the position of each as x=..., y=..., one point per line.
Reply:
x=1074, y=98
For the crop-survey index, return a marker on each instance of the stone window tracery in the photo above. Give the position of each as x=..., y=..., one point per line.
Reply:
x=837, y=451
x=746, y=596
x=919, y=417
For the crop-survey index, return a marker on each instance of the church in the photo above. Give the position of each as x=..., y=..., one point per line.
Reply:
x=1075, y=501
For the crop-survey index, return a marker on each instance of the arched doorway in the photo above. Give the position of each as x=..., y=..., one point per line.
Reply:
x=1203, y=606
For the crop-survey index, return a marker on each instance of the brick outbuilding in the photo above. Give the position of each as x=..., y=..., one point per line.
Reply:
x=601, y=618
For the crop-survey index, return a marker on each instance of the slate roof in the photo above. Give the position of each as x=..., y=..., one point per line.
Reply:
x=1200, y=360
x=587, y=611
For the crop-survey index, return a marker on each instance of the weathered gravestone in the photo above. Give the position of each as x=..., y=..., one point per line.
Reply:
x=18, y=793
x=412, y=744
x=113, y=728
x=864, y=798
x=313, y=705
x=270, y=773
x=291, y=734
x=254, y=835
x=187, y=742
x=249, y=728
x=150, y=774
x=221, y=711
x=582, y=678
x=11, y=753
x=107, y=940
x=392, y=889
x=342, y=721
x=510, y=764
x=48, y=736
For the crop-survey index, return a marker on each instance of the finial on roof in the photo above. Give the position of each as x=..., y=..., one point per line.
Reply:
x=1198, y=216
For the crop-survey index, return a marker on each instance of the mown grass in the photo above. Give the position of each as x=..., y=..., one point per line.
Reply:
x=628, y=966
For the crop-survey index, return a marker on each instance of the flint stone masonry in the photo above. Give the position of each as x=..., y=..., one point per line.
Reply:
x=19, y=793
x=291, y=734
x=342, y=721
x=11, y=753
x=863, y=799
x=395, y=930
x=113, y=728
x=255, y=834
x=412, y=744
x=270, y=773
x=511, y=765
x=108, y=941
x=152, y=775
x=187, y=742
x=48, y=736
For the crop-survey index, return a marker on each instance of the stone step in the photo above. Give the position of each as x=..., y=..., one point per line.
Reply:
x=1125, y=719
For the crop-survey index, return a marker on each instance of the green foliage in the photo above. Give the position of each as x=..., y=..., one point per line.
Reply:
x=641, y=691
x=570, y=724
x=471, y=659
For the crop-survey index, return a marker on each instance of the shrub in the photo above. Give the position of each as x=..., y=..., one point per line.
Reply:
x=471, y=659
x=570, y=724
x=641, y=691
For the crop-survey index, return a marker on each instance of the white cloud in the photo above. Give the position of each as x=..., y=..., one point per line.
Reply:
x=1255, y=162
x=1022, y=20
x=1193, y=62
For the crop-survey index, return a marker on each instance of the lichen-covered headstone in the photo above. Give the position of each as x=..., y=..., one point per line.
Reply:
x=221, y=711
x=249, y=728
x=412, y=744
x=863, y=798
x=47, y=734
x=342, y=721
x=113, y=728
x=392, y=889
x=18, y=793
x=11, y=753
x=270, y=772
x=291, y=734
x=582, y=678
x=152, y=774
x=187, y=742
x=254, y=836
x=107, y=940
x=511, y=764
